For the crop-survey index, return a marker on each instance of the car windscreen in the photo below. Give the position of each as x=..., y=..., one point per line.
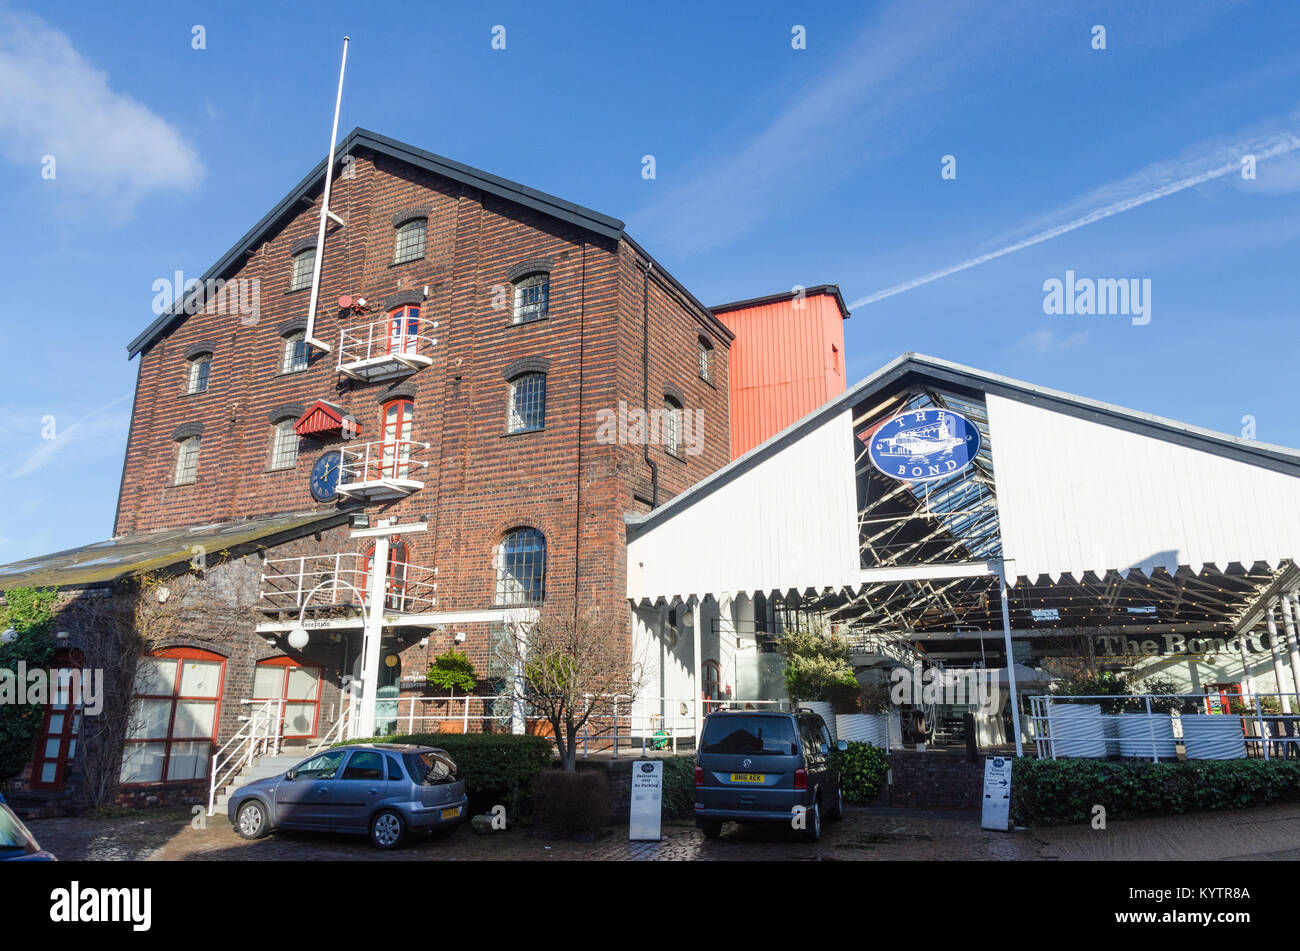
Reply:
x=749, y=735
x=429, y=768
x=14, y=836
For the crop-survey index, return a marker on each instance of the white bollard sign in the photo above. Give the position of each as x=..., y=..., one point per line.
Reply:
x=647, y=800
x=997, y=793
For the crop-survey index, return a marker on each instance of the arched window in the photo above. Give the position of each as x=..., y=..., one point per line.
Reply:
x=284, y=444
x=408, y=242
x=200, y=371
x=304, y=264
x=527, y=410
x=397, y=425
x=187, y=460
x=175, y=709
x=670, y=431
x=704, y=359
x=521, y=567
x=297, y=353
x=532, y=297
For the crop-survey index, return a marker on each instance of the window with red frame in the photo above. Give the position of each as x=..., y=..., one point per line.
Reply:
x=298, y=686
x=56, y=745
x=398, y=424
x=394, y=578
x=403, y=329
x=175, y=709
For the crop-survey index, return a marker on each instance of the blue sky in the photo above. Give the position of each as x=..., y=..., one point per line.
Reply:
x=774, y=167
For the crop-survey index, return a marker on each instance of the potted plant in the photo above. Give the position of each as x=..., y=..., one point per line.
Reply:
x=449, y=671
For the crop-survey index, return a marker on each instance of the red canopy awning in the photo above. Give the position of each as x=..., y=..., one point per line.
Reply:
x=321, y=417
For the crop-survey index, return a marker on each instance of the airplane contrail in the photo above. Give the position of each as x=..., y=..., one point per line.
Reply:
x=1115, y=208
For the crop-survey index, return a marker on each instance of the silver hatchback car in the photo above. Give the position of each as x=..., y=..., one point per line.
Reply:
x=385, y=790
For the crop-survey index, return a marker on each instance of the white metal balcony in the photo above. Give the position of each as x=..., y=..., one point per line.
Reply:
x=383, y=349
x=334, y=581
x=381, y=470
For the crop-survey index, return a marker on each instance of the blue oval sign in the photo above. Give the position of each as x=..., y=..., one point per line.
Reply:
x=923, y=445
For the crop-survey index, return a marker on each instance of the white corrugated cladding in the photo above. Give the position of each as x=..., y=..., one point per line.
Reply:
x=1076, y=495
x=788, y=522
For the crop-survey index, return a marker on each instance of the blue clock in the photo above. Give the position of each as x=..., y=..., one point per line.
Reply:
x=325, y=476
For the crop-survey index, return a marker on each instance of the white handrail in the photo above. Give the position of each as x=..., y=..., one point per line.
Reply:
x=226, y=762
x=360, y=343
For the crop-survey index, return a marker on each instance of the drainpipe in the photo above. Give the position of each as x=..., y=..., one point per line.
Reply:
x=645, y=380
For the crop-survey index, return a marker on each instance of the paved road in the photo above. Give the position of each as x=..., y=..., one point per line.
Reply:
x=1270, y=832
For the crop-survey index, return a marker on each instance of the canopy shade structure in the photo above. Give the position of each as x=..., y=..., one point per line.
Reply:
x=107, y=561
x=1100, y=516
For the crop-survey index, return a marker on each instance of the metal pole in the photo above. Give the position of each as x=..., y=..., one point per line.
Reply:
x=697, y=616
x=1292, y=647
x=374, y=632
x=310, y=337
x=1151, y=727
x=1277, y=657
x=1011, y=661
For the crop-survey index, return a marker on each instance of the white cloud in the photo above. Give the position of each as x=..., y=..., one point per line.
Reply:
x=1049, y=341
x=106, y=145
x=97, y=433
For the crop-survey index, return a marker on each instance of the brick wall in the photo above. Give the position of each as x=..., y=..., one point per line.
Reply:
x=935, y=779
x=480, y=482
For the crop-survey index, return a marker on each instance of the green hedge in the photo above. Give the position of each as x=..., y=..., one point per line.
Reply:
x=1052, y=792
x=496, y=767
x=863, y=769
x=679, y=787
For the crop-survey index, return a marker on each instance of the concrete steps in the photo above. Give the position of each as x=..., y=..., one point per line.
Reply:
x=261, y=768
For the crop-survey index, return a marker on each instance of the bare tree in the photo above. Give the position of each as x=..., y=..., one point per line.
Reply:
x=576, y=672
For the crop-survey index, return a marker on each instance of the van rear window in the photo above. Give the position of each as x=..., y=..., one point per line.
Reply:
x=741, y=735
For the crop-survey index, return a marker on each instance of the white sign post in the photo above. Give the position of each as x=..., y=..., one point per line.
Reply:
x=647, y=800
x=997, y=793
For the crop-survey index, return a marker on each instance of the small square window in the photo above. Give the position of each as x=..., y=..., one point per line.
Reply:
x=284, y=445
x=408, y=244
x=187, y=461
x=200, y=370
x=304, y=264
x=532, y=298
x=296, y=352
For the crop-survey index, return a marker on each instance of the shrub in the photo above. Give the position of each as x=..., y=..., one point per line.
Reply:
x=30, y=612
x=817, y=666
x=498, y=768
x=863, y=769
x=679, y=787
x=571, y=803
x=451, y=670
x=1052, y=792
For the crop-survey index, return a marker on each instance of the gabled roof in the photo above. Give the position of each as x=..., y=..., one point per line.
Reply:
x=593, y=221
x=106, y=561
x=831, y=289
x=913, y=368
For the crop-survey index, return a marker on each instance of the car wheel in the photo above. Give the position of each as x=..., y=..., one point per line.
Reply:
x=711, y=830
x=813, y=817
x=250, y=821
x=837, y=813
x=387, y=830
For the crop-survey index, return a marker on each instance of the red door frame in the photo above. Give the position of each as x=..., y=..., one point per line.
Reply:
x=405, y=422
x=394, y=586
x=288, y=663
x=71, y=714
x=182, y=654
x=403, y=326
